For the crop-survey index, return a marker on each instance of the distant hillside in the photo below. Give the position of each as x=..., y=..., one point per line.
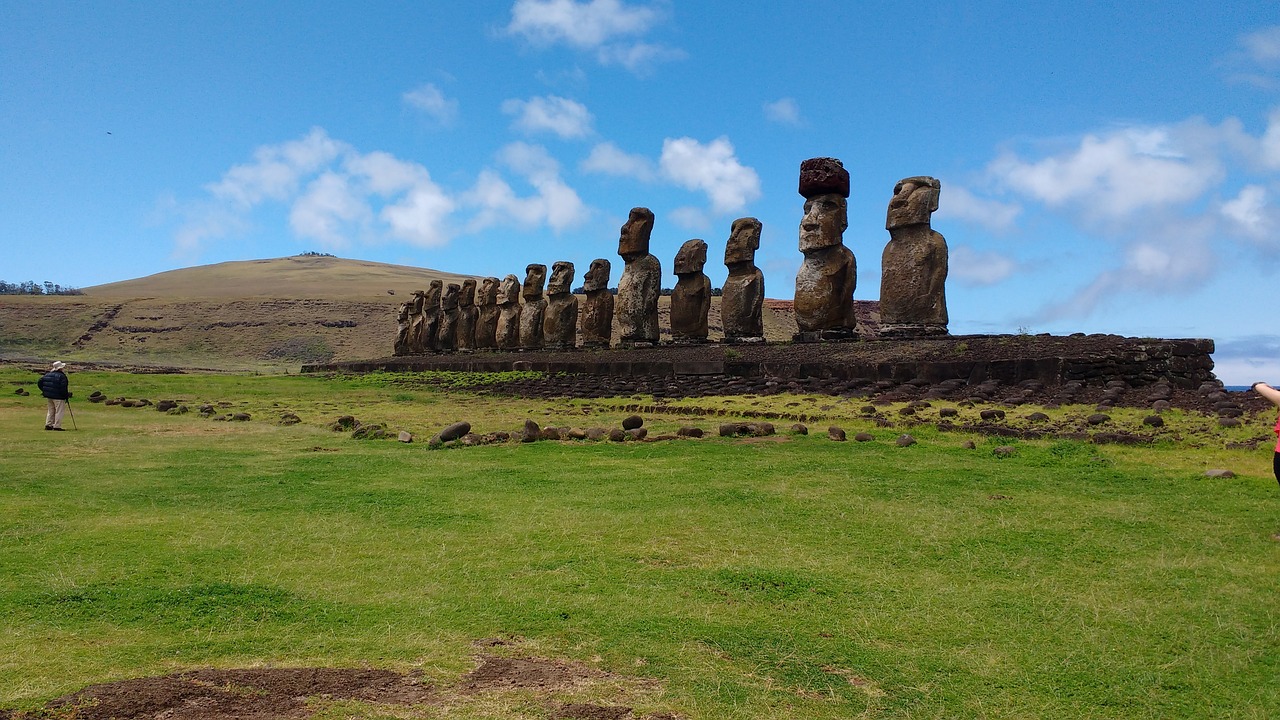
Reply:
x=290, y=277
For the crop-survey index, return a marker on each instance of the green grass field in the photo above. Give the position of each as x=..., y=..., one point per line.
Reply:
x=776, y=577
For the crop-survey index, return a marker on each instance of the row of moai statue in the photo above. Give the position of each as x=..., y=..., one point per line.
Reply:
x=912, y=288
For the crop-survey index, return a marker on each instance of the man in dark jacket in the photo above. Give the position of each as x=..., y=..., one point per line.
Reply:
x=53, y=385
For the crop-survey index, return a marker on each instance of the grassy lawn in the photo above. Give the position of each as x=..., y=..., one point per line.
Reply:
x=775, y=577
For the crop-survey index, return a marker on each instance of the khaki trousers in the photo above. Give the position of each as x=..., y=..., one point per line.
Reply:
x=53, y=418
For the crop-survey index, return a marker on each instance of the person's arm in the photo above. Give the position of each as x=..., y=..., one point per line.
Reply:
x=1268, y=392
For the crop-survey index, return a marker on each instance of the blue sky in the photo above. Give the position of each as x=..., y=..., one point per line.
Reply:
x=1104, y=169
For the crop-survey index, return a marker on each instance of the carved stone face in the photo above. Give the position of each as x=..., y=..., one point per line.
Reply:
x=634, y=239
x=509, y=290
x=450, y=299
x=433, y=294
x=825, y=219
x=744, y=240
x=419, y=299
x=597, y=277
x=488, y=294
x=402, y=312
x=691, y=258
x=914, y=201
x=535, y=276
x=561, y=279
x=468, y=296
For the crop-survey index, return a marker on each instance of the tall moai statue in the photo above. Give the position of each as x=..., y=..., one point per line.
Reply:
x=401, y=346
x=691, y=299
x=465, y=333
x=507, y=336
x=417, y=317
x=487, y=318
x=913, y=279
x=597, y=309
x=641, y=283
x=829, y=273
x=431, y=316
x=446, y=336
x=742, y=300
x=560, y=324
x=535, y=306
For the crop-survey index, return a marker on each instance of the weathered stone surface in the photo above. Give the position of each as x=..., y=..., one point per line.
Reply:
x=405, y=436
x=617, y=435
x=455, y=431
x=913, y=275
x=800, y=429
x=631, y=422
x=487, y=315
x=905, y=440
x=1153, y=421
x=447, y=332
x=465, y=329
x=691, y=298
x=1098, y=418
x=823, y=176
x=636, y=306
x=401, y=346
x=596, y=312
x=430, y=329
x=864, y=437
x=1219, y=473
x=416, y=319
x=507, y=334
x=742, y=299
x=829, y=274
x=560, y=320
x=534, y=310
x=530, y=432
x=991, y=414
x=836, y=433
x=689, y=432
x=1004, y=451
x=637, y=433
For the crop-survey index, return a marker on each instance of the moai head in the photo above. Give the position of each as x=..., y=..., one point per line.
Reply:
x=634, y=239
x=419, y=300
x=744, y=240
x=433, y=294
x=691, y=257
x=450, y=299
x=468, y=296
x=402, y=312
x=597, y=277
x=535, y=276
x=824, y=183
x=488, y=291
x=914, y=200
x=509, y=290
x=561, y=282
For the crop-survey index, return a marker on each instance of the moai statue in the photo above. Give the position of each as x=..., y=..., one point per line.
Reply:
x=641, y=283
x=597, y=309
x=535, y=307
x=402, y=328
x=507, y=336
x=446, y=336
x=742, y=301
x=465, y=332
x=691, y=299
x=431, y=317
x=487, y=319
x=829, y=273
x=417, y=318
x=913, y=299
x=560, y=325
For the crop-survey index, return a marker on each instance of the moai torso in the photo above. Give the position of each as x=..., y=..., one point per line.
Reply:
x=465, y=333
x=560, y=324
x=913, y=278
x=742, y=300
x=446, y=336
x=829, y=274
x=691, y=298
x=401, y=346
x=596, y=313
x=641, y=284
x=487, y=315
x=417, y=345
x=535, y=307
x=507, y=335
x=431, y=316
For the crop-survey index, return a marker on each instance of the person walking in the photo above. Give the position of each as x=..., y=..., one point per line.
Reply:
x=54, y=386
x=1272, y=395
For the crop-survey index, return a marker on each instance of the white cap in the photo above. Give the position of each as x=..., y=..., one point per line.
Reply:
x=58, y=365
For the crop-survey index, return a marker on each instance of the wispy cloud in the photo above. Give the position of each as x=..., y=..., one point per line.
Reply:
x=560, y=116
x=977, y=268
x=430, y=100
x=609, y=28
x=607, y=159
x=554, y=203
x=959, y=203
x=713, y=169
x=784, y=111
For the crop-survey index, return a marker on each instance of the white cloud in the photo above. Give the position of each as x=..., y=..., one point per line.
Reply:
x=639, y=58
x=326, y=207
x=785, y=111
x=558, y=115
x=430, y=100
x=598, y=25
x=420, y=216
x=957, y=202
x=975, y=268
x=555, y=203
x=607, y=159
x=1263, y=46
x=712, y=169
x=276, y=170
x=1248, y=211
x=1269, y=145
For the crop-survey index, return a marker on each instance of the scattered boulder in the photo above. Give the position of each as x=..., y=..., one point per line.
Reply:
x=455, y=431
x=596, y=434
x=346, y=422
x=371, y=431
x=530, y=432
x=405, y=436
x=1038, y=417
x=166, y=405
x=733, y=429
x=639, y=433
x=948, y=412
x=689, y=432
x=991, y=414
x=868, y=410
x=1098, y=418
x=1153, y=421
x=551, y=433
x=864, y=437
x=205, y=410
x=1004, y=451
x=470, y=440
x=908, y=410
x=836, y=433
x=799, y=429
x=120, y=401
x=1219, y=473
x=241, y=417
x=760, y=429
x=617, y=435
x=289, y=419
x=1229, y=422
x=1161, y=406
x=631, y=422
x=180, y=410
x=576, y=434
x=24, y=393
x=969, y=445
x=905, y=440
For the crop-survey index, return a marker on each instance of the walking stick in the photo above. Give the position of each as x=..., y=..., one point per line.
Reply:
x=73, y=414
